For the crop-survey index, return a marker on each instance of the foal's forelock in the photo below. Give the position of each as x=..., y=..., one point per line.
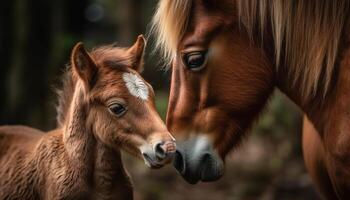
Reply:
x=103, y=56
x=307, y=32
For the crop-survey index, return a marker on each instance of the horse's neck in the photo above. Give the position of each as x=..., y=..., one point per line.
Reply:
x=77, y=136
x=332, y=118
x=111, y=180
x=330, y=114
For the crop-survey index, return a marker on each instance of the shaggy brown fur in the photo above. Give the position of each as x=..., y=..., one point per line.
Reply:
x=82, y=159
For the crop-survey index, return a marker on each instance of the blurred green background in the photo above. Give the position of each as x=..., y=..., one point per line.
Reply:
x=36, y=37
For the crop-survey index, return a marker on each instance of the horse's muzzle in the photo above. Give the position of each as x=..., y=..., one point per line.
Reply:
x=196, y=160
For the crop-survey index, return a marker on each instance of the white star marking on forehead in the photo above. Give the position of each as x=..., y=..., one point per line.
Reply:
x=135, y=85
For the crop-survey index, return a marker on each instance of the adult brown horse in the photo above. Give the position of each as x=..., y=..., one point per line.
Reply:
x=228, y=56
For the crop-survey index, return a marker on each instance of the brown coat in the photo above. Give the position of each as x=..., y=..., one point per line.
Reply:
x=35, y=165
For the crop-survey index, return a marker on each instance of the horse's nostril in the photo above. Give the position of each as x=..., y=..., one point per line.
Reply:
x=160, y=152
x=179, y=162
x=210, y=170
x=206, y=161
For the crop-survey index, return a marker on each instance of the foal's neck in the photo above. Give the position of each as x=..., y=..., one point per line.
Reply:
x=99, y=166
x=111, y=180
x=77, y=136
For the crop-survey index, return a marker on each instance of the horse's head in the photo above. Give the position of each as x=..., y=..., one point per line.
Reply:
x=220, y=81
x=121, y=107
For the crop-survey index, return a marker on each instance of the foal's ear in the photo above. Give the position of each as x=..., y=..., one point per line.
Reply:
x=137, y=52
x=83, y=65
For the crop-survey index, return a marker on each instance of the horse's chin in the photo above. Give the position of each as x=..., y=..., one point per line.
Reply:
x=205, y=176
x=191, y=180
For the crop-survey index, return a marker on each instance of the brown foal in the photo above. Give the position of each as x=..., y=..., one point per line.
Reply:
x=105, y=107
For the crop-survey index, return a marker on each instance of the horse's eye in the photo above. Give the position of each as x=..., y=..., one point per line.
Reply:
x=195, y=61
x=117, y=109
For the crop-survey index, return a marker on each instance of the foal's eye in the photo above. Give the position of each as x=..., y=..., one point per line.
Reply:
x=195, y=61
x=117, y=109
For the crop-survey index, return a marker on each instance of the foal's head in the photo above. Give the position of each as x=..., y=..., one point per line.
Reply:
x=121, y=110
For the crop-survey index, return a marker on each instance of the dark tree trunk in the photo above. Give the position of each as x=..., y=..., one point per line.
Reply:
x=35, y=54
x=6, y=50
x=74, y=17
x=130, y=25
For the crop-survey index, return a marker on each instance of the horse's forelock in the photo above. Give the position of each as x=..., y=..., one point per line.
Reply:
x=169, y=24
x=307, y=32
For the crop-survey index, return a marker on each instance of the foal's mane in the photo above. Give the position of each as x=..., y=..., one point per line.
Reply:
x=306, y=33
x=105, y=55
x=65, y=95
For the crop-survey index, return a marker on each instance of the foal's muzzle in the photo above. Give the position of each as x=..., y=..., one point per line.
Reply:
x=196, y=160
x=159, y=154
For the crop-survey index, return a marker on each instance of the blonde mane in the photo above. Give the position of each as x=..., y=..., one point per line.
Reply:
x=169, y=24
x=306, y=33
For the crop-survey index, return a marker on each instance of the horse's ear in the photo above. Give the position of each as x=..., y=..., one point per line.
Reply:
x=83, y=65
x=137, y=52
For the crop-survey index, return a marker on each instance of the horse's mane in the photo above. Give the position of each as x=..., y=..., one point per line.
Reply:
x=306, y=33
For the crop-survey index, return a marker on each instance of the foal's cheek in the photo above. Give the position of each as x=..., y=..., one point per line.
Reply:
x=130, y=145
x=108, y=129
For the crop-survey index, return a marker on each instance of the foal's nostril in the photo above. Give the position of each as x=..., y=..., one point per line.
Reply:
x=160, y=152
x=146, y=156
